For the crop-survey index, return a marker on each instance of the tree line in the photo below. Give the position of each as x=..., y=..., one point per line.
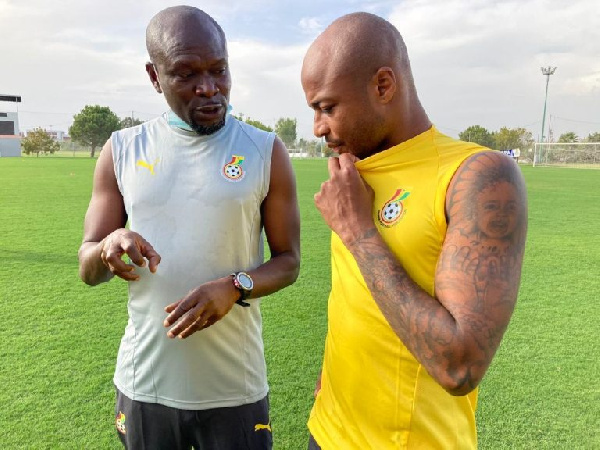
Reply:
x=511, y=138
x=91, y=128
x=94, y=124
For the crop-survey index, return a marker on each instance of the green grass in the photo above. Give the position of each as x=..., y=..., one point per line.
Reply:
x=59, y=338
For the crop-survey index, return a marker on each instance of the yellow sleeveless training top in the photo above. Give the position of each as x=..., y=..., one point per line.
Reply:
x=374, y=393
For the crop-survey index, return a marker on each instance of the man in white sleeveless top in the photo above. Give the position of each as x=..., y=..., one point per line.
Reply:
x=197, y=187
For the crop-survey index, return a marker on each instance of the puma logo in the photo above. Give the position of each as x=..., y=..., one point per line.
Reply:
x=260, y=426
x=150, y=167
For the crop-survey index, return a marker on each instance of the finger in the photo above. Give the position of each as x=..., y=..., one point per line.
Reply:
x=134, y=253
x=170, y=308
x=151, y=255
x=368, y=187
x=204, y=321
x=186, y=321
x=210, y=322
x=346, y=161
x=352, y=157
x=333, y=166
x=127, y=276
x=153, y=262
x=317, y=197
x=111, y=258
x=182, y=307
x=190, y=330
x=116, y=265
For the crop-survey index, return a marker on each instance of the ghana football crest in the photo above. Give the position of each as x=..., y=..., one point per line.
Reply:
x=120, y=423
x=393, y=209
x=233, y=171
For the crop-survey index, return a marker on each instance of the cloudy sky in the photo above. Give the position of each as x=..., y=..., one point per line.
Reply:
x=475, y=61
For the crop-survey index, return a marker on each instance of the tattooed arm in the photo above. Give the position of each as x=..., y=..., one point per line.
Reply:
x=455, y=333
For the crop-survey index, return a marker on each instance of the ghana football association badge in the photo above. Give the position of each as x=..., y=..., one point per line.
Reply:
x=120, y=423
x=233, y=170
x=393, y=209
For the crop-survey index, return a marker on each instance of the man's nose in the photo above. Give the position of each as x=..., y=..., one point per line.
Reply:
x=206, y=86
x=320, y=126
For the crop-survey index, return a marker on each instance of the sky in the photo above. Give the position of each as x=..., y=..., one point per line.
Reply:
x=475, y=62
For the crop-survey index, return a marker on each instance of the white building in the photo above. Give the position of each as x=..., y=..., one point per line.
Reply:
x=10, y=138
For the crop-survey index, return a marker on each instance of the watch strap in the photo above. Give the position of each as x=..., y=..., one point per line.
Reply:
x=243, y=293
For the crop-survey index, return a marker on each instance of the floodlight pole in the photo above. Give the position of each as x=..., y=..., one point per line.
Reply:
x=547, y=71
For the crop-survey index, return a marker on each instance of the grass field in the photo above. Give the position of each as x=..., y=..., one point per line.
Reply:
x=59, y=338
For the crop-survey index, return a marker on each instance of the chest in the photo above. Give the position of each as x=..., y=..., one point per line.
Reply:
x=192, y=180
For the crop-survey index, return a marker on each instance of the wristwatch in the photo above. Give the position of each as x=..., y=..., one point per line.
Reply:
x=243, y=283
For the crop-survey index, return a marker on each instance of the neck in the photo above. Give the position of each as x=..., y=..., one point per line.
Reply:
x=414, y=122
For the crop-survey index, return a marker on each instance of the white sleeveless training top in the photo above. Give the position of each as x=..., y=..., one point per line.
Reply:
x=197, y=200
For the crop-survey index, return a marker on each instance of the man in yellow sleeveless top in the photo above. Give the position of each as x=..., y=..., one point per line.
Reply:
x=427, y=248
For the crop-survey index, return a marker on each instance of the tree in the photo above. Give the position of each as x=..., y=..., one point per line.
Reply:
x=302, y=144
x=255, y=123
x=568, y=137
x=593, y=137
x=313, y=147
x=510, y=138
x=38, y=141
x=93, y=126
x=477, y=134
x=128, y=122
x=286, y=130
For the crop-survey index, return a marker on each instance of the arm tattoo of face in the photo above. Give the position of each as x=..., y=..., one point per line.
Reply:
x=481, y=262
x=456, y=333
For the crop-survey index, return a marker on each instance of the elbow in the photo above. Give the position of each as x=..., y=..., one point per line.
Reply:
x=91, y=272
x=294, y=270
x=88, y=275
x=84, y=274
x=85, y=277
x=460, y=380
x=460, y=390
x=287, y=267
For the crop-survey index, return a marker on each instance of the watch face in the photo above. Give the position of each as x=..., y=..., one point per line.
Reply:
x=245, y=281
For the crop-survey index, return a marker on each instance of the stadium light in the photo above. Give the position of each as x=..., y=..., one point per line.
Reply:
x=546, y=71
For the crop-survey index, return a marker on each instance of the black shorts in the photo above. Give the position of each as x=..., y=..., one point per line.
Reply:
x=147, y=426
x=312, y=444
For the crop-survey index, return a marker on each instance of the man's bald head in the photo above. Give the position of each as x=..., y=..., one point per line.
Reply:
x=169, y=27
x=356, y=77
x=189, y=66
x=359, y=44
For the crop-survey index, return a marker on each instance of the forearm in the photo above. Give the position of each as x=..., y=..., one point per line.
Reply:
x=92, y=270
x=422, y=323
x=275, y=274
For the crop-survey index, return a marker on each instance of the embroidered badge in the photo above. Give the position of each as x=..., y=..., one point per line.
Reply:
x=393, y=209
x=232, y=171
x=262, y=426
x=120, y=423
x=148, y=166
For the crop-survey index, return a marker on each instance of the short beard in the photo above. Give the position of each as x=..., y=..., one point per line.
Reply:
x=204, y=130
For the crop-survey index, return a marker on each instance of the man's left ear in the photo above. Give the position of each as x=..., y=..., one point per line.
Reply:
x=385, y=78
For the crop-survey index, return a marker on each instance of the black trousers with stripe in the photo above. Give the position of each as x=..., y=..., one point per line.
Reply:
x=151, y=426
